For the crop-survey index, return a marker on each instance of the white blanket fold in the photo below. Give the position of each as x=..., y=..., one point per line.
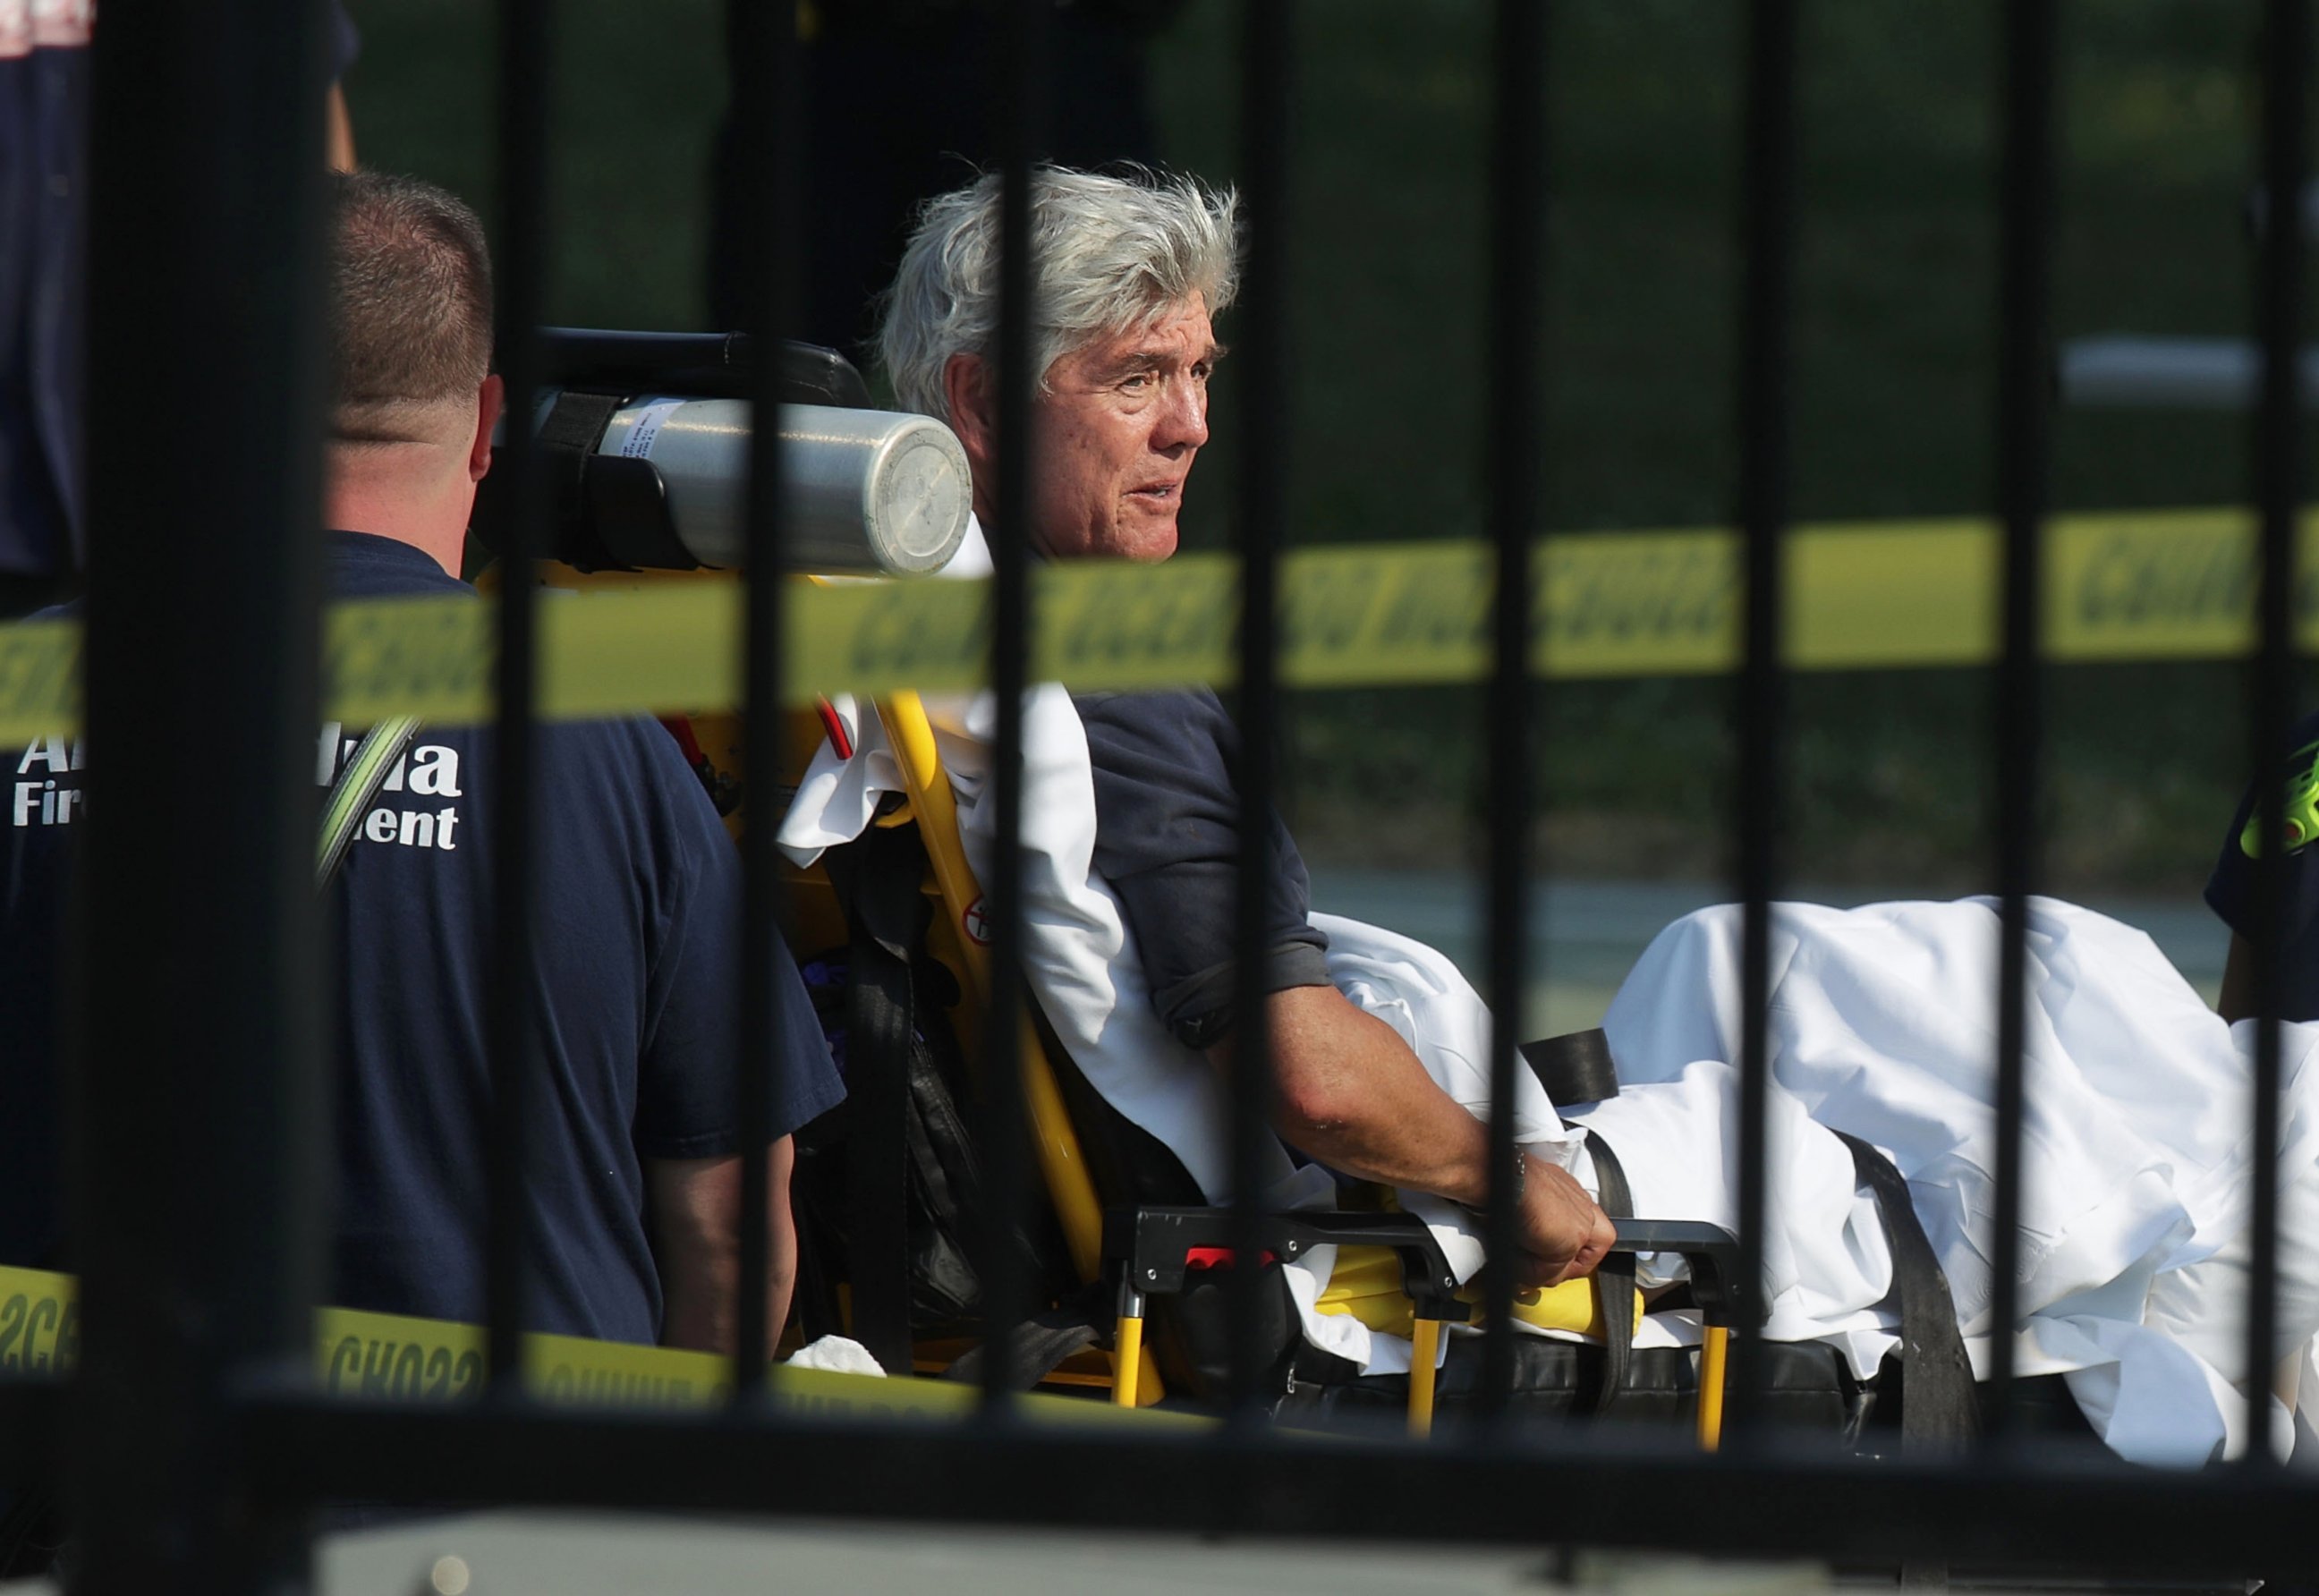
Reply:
x=2135, y=1138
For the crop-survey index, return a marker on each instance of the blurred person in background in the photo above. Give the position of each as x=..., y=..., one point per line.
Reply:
x=898, y=108
x=44, y=108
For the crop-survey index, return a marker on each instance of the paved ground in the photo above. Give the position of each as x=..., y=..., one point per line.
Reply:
x=1584, y=936
x=576, y=1554
x=604, y=1554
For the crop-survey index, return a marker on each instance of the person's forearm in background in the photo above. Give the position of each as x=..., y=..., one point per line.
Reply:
x=696, y=1206
x=338, y=135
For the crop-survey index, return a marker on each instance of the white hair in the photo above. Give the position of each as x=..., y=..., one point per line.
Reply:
x=1109, y=255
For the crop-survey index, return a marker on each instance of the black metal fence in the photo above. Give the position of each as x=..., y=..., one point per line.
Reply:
x=194, y=1441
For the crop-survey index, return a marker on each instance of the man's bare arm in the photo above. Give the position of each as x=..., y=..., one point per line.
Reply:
x=1348, y=1092
x=696, y=1205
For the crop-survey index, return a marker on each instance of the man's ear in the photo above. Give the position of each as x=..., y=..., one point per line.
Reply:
x=491, y=399
x=973, y=407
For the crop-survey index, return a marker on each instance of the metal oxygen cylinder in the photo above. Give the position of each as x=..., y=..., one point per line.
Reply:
x=864, y=490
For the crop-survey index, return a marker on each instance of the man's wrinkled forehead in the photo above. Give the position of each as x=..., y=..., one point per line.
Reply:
x=1152, y=342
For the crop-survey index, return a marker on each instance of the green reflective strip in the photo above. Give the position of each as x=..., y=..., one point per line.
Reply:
x=2301, y=818
x=356, y=785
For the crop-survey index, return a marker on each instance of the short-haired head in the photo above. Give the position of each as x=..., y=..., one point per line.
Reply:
x=1112, y=252
x=410, y=309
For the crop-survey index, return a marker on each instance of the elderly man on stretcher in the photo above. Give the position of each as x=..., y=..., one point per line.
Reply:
x=2135, y=1215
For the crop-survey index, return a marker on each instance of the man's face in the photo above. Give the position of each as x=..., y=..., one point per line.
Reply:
x=1119, y=426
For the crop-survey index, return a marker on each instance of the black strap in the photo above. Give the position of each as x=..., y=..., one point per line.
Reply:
x=575, y=425
x=1939, y=1411
x=1574, y=1069
x=1614, y=1276
x=889, y=919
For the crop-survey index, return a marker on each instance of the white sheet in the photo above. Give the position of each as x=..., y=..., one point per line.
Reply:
x=2134, y=1211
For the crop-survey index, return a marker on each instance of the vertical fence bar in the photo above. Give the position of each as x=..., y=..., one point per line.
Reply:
x=1509, y=332
x=769, y=128
x=2279, y=422
x=1264, y=131
x=1021, y=89
x=525, y=52
x=198, y=1102
x=1767, y=230
x=2024, y=446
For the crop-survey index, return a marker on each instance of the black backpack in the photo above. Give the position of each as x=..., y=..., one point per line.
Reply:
x=889, y=1185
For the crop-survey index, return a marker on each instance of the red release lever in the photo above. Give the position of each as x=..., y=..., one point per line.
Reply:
x=1222, y=1257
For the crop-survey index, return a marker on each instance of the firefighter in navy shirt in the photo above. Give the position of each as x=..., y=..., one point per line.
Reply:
x=633, y=1166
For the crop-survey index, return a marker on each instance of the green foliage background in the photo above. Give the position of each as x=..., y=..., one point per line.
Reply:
x=1894, y=337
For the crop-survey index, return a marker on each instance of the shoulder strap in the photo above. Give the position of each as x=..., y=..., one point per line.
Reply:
x=1574, y=1069
x=1577, y=1068
x=1614, y=1276
x=358, y=783
x=1939, y=1408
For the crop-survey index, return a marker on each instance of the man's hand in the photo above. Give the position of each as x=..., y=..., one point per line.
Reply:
x=1563, y=1233
x=1349, y=1093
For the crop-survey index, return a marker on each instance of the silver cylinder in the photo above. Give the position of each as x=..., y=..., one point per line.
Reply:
x=864, y=490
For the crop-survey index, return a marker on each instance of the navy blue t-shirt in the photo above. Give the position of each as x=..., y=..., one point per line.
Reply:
x=635, y=1003
x=2230, y=890
x=1167, y=842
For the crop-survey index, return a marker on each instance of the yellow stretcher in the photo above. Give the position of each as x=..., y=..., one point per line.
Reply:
x=1381, y=1275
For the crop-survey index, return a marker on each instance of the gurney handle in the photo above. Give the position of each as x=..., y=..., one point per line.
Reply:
x=1717, y=1283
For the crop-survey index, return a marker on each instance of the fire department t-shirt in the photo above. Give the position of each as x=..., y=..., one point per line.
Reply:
x=635, y=1004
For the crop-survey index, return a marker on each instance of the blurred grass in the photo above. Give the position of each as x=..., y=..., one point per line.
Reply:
x=1893, y=340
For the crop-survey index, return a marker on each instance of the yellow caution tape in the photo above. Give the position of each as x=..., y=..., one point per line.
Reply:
x=2172, y=585
x=39, y=1322
x=40, y=680
x=390, y=1355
